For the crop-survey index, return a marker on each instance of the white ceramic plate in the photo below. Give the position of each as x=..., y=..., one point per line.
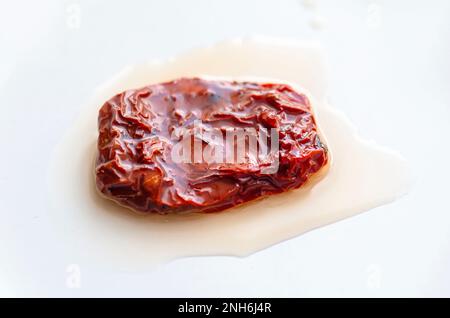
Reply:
x=393, y=56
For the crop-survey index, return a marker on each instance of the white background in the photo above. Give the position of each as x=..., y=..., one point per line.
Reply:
x=389, y=70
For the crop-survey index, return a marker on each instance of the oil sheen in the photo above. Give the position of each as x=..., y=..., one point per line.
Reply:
x=360, y=176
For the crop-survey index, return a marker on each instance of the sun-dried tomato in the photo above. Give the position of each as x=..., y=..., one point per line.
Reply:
x=139, y=129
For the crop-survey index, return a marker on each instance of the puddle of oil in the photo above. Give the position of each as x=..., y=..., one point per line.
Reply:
x=361, y=176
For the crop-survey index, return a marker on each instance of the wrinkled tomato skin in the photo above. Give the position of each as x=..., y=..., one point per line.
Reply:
x=134, y=165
